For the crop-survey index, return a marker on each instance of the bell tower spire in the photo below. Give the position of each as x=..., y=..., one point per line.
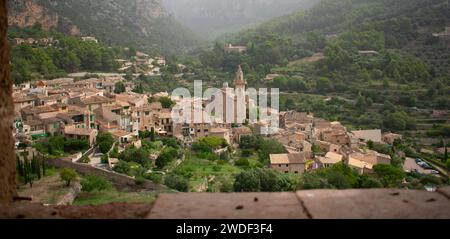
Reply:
x=239, y=81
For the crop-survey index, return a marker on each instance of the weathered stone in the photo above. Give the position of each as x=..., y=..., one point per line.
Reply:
x=227, y=206
x=375, y=204
x=107, y=211
x=7, y=155
x=445, y=191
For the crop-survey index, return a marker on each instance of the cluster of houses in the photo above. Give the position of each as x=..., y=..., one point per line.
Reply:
x=143, y=64
x=46, y=41
x=301, y=132
x=80, y=109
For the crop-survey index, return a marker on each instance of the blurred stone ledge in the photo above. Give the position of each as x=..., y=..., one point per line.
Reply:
x=312, y=204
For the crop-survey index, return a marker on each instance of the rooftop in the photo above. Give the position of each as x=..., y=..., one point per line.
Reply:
x=293, y=158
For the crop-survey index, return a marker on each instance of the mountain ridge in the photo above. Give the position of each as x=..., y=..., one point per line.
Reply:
x=143, y=24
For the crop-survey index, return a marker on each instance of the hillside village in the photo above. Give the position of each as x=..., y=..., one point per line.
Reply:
x=83, y=109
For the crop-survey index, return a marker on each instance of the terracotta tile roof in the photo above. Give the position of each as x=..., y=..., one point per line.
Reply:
x=294, y=158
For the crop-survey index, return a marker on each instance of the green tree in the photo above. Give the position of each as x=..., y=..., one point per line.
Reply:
x=166, y=102
x=267, y=147
x=389, y=175
x=324, y=84
x=247, y=181
x=122, y=167
x=177, y=182
x=119, y=87
x=68, y=176
x=105, y=141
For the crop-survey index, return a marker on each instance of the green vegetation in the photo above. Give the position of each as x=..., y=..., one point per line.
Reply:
x=112, y=195
x=149, y=29
x=264, y=147
x=59, y=146
x=105, y=141
x=166, y=102
x=119, y=87
x=30, y=170
x=264, y=180
x=95, y=183
x=66, y=55
x=68, y=176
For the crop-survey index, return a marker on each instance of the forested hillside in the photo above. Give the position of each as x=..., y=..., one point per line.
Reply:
x=141, y=24
x=378, y=56
x=404, y=24
x=211, y=18
x=65, y=54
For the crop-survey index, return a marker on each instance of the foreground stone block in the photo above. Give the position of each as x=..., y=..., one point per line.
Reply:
x=375, y=204
x=107, y=211
x=445, y=191
x=228, y=206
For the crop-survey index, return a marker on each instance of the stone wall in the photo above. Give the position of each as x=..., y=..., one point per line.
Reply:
x=7, y=155
x=71, y=195
x=119, y=180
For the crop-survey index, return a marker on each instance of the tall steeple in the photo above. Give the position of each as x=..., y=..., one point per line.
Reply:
x=239, y=81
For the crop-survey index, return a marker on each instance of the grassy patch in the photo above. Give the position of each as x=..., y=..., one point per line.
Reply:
x=47, y=190
x=110, y=196
x=197, y=170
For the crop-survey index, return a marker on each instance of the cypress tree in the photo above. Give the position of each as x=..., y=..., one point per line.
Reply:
x=33, y=164
x=43, y=166
x=19, y=167
x=38, y=169
x=152, y=134
x=25, y=171
x=445, y=154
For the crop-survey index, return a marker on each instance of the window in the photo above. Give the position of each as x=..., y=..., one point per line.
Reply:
x=279, y=165
x=147, y=113
x=287, y=165
x=286, y=171
x=296, y=172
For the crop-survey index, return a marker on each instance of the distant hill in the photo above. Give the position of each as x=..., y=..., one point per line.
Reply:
x=215, y=17
x=144, y=24
x=407, y=25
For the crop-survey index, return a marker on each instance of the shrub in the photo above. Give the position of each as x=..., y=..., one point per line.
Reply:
x=122, y=167
x=139, y=180
x=85, y=159
x=95, y=183
x=155, y=177
x=104, y=159
x=389, y=175
x=177, y=182
x=246, y=153
x=366, y=181
x=242, y=163
x=105, y=142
